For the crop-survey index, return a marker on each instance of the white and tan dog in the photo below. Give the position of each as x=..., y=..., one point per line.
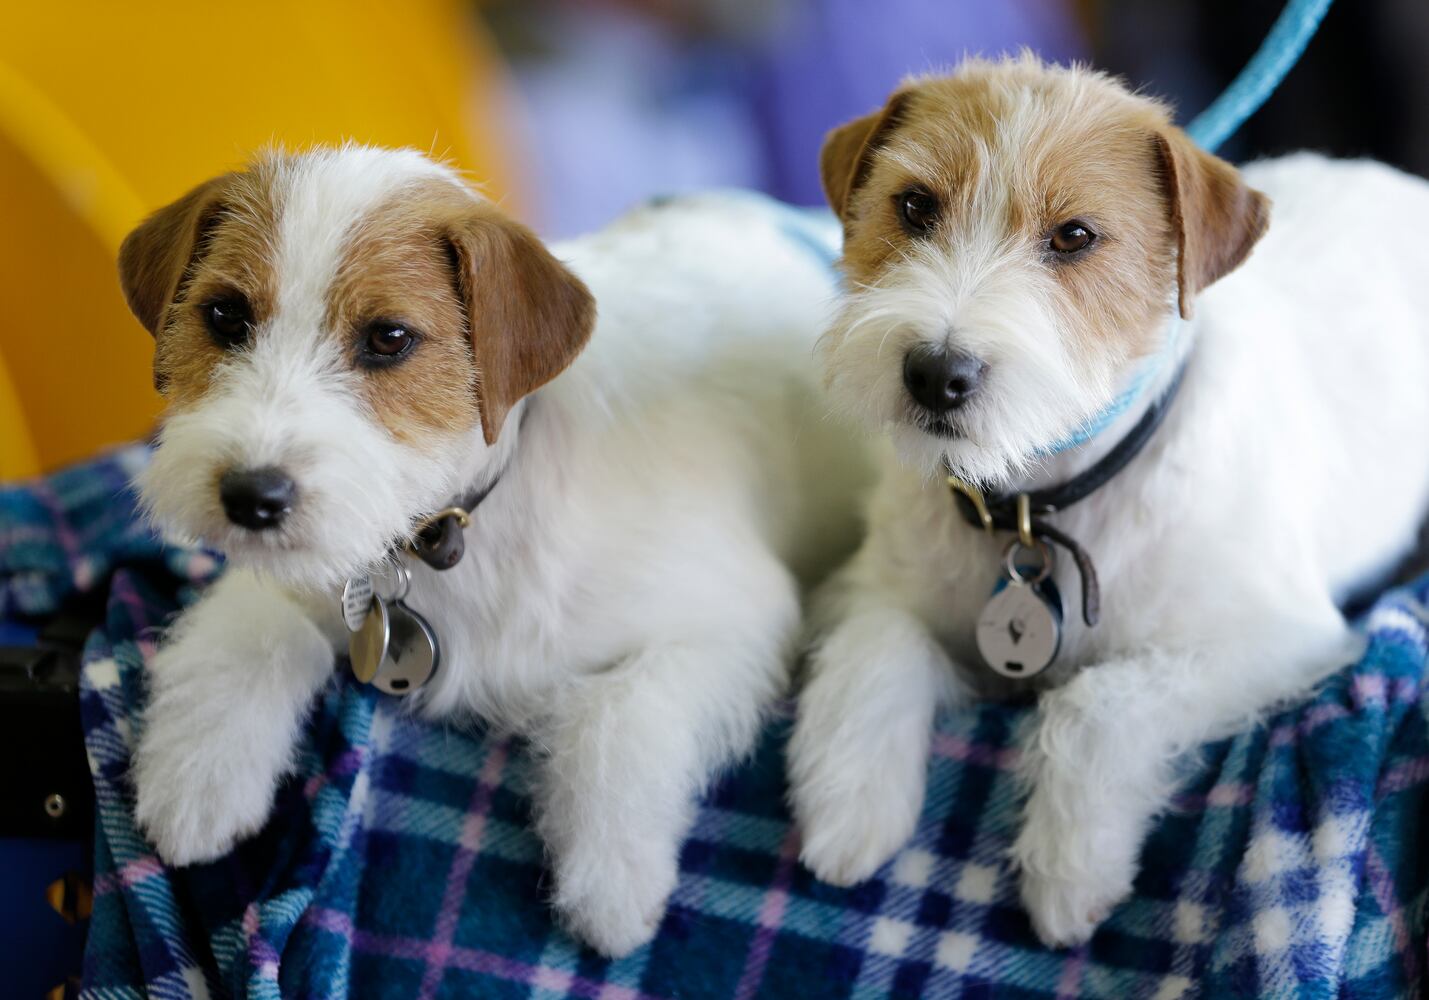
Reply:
x=348, y=339
x=1025, y=244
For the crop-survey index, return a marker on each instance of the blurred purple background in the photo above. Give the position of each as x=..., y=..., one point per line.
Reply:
x=619, y=100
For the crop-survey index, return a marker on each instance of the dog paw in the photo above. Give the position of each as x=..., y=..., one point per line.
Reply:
x=194, y=797
x=614, y=902
x=1073, y=875
x=846, y=839
x=1066, y=912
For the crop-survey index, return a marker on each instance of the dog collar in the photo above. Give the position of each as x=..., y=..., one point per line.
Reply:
x=391, y=645
x=437, y=539
x=1145, y=376
x=1026, y=513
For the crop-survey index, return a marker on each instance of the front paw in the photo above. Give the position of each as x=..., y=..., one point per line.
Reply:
x=852, y=827
x=194, y=796
x=1071, y=878
x=613, y=897
x=1065, y=912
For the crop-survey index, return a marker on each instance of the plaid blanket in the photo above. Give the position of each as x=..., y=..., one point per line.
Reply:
x=399, y=861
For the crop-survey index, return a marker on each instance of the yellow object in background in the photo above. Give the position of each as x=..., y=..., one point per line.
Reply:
x=108, y=111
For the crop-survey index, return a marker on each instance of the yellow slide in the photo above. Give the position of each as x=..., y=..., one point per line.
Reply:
x=109, y=110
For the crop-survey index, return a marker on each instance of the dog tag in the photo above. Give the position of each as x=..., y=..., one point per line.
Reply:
x=412, y=653
x=1020, y=629
x=356, y=601
x=367, y=647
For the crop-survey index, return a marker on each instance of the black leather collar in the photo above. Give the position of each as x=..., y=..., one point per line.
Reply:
x=999, y=511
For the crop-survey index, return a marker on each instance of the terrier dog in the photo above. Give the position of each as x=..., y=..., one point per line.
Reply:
x=351, y=341
x=1041, y=268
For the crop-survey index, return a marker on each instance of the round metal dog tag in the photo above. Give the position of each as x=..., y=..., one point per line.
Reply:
x=356, y=601
x=1019, y=631
x=412, y=655
x=367, y=646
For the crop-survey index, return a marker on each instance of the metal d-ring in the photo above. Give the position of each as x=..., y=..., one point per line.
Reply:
x=463, y=518
x=1014, y=572
x=404, y=586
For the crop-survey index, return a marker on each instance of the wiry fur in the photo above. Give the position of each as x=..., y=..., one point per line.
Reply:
x=1002, y=305
x=1280, y=478
x=628, y=597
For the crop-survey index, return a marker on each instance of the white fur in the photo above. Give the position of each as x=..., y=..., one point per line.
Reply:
x=994, y=300
x=1290, y=468
x=628, y=598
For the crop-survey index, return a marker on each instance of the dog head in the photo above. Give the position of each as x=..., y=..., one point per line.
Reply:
x=1016, y=238
x=340, y=337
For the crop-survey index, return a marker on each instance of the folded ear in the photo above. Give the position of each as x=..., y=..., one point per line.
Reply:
x=845, y=157
x=1215, y=218
x=529, y=316
x=155, y=256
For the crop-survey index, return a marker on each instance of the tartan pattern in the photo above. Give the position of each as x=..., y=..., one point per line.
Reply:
x=400, y=861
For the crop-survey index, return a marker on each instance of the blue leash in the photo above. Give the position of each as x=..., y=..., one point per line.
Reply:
x=1276, y=56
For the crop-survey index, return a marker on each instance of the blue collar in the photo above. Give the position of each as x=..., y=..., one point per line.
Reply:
x=1145, y=377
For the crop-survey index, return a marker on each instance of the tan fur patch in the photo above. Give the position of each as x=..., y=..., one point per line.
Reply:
x=396, y=268
x=496, y=315
x=529, y=316
x=1217, y=219
x=218, y=240
x=1037, y=147
x=499, y=315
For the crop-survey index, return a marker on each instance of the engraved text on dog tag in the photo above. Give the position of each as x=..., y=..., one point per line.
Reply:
x=412, y=655
x=1020, y=629
x=356, y=601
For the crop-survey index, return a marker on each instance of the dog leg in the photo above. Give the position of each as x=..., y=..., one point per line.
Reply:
x=858, y=758
x=1101, y=758
x=228, y=692
x=628, y=752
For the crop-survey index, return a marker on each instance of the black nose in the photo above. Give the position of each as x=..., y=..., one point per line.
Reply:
x=941, y=379
x=256, y=498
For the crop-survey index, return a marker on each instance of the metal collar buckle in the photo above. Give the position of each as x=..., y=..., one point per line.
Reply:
x=975, y=496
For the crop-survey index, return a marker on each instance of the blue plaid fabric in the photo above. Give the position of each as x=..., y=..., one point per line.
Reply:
x=400, y=863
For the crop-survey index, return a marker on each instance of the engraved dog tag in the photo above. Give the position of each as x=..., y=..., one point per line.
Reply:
x=356, y=602
x=1020, y=630
x=367, y=647
x=412, y=655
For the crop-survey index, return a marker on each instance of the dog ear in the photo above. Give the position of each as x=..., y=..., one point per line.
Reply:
x=155, y=256
x=529, y=316
x=845, y=157
x=1215, y=217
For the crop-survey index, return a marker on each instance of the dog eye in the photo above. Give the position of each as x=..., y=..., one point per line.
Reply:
x=1071, y=237
x=918, y=209
x=229, y=320
x=384, y=342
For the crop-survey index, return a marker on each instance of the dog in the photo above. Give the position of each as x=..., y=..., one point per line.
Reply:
x=1040, y=267
x=348, y=339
